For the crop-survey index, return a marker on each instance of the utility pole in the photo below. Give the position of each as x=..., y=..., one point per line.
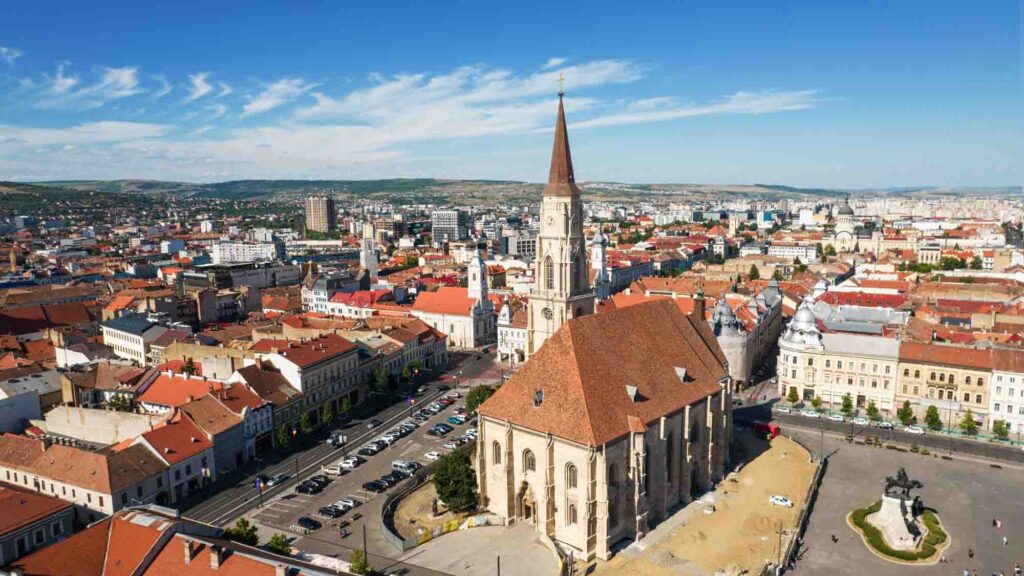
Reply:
x=780, y=544
x=365, y=555
x=499, y=565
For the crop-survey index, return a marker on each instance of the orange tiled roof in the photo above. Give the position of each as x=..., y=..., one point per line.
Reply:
x=583, y=371
x=309, y=352
x=451, y=300
x=175, y=389
x=178, y=439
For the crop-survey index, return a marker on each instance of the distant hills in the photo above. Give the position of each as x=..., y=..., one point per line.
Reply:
x=430, y=190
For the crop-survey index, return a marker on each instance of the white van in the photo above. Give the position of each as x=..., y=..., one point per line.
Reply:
x=406, y=467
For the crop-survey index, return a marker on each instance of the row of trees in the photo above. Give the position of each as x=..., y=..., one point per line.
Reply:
x=905, y=414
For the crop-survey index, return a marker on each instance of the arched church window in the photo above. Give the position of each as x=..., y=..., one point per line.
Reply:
x=496, y=448
x=529, y=462
x=570, y=475
x=695, y=433
x=572, y=514
x=549, y=273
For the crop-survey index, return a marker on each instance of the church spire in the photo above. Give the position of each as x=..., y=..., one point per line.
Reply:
x=561, y=180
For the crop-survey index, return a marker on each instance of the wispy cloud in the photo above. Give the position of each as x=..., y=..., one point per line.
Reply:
x=61, y=83
x=276, y=94
x=554, y=63
x=88, y=133
x=165, y=87
x=224, y=90
x=9, y=55
x=198, y=86
x=662, y=109
x=218, y=111
x=113, y=84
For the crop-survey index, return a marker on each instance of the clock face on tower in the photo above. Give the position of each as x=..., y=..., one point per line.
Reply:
x=546, y=312
x=551, y=220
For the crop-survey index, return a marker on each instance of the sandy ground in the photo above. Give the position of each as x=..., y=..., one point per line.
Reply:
x=741, y=533
x=415, y=511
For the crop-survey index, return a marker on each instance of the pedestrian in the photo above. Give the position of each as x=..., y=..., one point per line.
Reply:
x=1004, y=540
x=995, y=523
x=970, y=552
x=1016, y=568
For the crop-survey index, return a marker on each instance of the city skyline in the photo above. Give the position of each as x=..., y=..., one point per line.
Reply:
x=805, y=95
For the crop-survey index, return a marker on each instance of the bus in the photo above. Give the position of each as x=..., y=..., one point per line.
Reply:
x=767, y=428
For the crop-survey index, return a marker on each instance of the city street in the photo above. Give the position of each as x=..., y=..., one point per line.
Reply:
x=936, y=442
x=236, y=496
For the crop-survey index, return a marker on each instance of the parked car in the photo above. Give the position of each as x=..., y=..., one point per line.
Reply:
x=810, y=414
x=914, y=430
x=453, y=394
x=348, y=503
x=308, y=523
x=277, y=479
x=835, y=417
x=885, y=425
x=780, y=501
x=783, y=409
x=330, y=512
x=320, y=479
x=368, y=451
x=451, y=445
x=375, y=486
x=371, y=424
x=351, y=462
x=388, y=480
x=308, y=488
x=333, y=469
x=432, y=455
x=861, y=421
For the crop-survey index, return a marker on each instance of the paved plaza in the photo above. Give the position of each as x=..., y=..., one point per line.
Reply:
x=476, y=551
x=967, y=494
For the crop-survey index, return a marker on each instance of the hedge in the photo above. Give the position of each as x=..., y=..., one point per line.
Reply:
x=936, y=536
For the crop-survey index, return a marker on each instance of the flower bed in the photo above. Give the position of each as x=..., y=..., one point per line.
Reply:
x=932, y=543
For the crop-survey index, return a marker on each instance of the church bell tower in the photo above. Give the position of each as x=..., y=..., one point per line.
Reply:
x=562, y=287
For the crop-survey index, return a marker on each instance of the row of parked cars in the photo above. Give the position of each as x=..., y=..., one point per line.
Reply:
x=400, y=470
x=859, y=421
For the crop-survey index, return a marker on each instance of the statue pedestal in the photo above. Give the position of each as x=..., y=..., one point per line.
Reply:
x=893, y=520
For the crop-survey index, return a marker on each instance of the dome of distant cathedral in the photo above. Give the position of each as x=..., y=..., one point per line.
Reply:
x=845, y=209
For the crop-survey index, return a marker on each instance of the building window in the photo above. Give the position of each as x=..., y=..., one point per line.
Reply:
x=570, y=476
x=977, y=398
x=57, y=529
x=496, y=449
x=839, y=364
x=997, y=406
x=124, y=499
x=549, y=273
x=529, y=462
x=967, y=380
x=810, y=361
x=942, y=377
x=933, y=376
x=39, y=537
x=950, y=378
x=967, y=397
x=981, y=381
x=572, y=514
x=917, y=373
x=101, y=501
x=828, y=363
x=906, y=372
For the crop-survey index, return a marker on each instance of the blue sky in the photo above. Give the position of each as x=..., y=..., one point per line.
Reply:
x=867, y=94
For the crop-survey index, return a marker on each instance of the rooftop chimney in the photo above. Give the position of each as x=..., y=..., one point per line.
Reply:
x=631, y=391
x=281, y=570
x=190, y=550
x=216, y=555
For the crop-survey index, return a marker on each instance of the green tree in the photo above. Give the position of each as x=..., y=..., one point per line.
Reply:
x=777, y=275
x=243, y=532
x=305, y=424
x=975, y=263
x=358, y=563
x=1000, y=429
x=278, y=544
x=847, y=408
x=282, y=436
x=873, y=412
x=905, y=413
x=754, y=273
x=189, y=367
x=967, y=423
x=792, y=397
x=326, y=414
x=379, y=384
x=830, y=250
x=344, y=406
x=932, y=418
x=455, y=481
x=816, y=402
x=477, y=396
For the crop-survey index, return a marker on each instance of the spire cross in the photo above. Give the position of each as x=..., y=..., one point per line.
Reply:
x=561, y=84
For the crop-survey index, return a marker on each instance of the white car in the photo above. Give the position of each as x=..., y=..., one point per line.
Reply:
x=351, y=462
x=835, y=417
x=780, y=501
x=346, y=503
x=432, y=455
x=861, y=421
x=783, y=409
x=451, y=445
x=914, y=430
x=810, y=414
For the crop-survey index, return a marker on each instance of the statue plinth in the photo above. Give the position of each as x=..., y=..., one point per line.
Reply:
x=897, y=523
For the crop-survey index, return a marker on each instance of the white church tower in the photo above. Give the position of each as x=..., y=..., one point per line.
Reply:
x=599, y=263
x=561, y=275
x=476, y=274
x=368, y=252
